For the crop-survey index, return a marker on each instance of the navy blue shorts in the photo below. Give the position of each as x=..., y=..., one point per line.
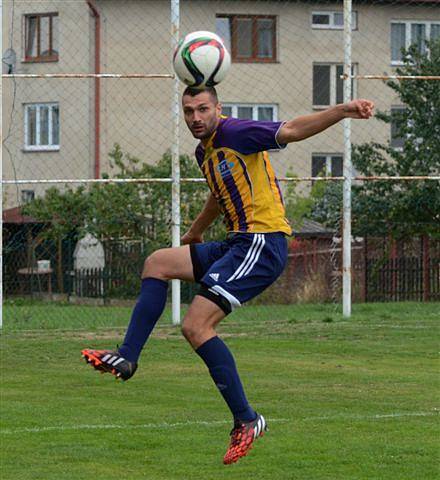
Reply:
x=239, y=268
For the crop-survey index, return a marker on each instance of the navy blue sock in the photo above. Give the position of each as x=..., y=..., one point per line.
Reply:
x=223, y=370
x=148, y=309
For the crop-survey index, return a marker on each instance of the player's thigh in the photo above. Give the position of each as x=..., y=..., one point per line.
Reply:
x=170, y=263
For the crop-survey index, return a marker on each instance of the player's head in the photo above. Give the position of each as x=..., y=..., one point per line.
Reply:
x=201, y=110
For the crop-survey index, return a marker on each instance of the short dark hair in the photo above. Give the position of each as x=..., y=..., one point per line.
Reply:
x=192, y=92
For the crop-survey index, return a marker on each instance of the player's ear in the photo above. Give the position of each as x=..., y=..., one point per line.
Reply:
x=219, y=109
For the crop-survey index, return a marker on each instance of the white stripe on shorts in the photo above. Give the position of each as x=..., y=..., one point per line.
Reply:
x=247, y=258
x=235, y=302
x=257, y=256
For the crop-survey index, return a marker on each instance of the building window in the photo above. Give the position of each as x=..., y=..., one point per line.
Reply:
x=41, y=126
x=405, y=33
x=27, y=196
x=249, y=38
x=397, y=140
x=247, y=111
x=41, y=37
x=328, y=86
x=327, y=165
x=332, y=20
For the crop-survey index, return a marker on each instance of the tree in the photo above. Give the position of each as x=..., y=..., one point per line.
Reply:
x=143, y=210
x=299, y=207
x=400, y=209
x=62, y=212
x=123, y=211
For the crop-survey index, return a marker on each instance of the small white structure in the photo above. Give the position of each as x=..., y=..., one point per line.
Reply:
x=88, y=254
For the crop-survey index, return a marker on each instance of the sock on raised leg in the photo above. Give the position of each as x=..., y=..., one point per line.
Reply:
x=149, y=307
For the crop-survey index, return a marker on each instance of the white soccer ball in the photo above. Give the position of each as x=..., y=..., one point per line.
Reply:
x=201, y=59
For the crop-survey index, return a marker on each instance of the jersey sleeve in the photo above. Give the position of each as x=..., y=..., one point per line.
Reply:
x=249, y=136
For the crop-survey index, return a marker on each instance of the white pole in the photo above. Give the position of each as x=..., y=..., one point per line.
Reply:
x=346, y=225
x=175, y=169
x=1, y=173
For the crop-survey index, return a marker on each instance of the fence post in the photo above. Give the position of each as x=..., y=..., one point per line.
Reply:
x=426, y=272
x=175, y=209
x=347, y=168
x=365, y=269
x=1, y=193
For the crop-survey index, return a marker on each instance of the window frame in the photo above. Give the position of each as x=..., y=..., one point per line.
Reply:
x=39, y=58
x=27, y=193
x=333, y=85
x=408, y=34
x=233, y=34
x=50, y=147
x=234, y=107
x=328, y=162
x=332, y=25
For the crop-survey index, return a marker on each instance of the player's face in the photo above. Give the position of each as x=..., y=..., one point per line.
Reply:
x=201, y=114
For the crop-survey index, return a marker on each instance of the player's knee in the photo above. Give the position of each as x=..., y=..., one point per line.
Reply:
x=191, y=332
x=152, y=266
x=187, y=331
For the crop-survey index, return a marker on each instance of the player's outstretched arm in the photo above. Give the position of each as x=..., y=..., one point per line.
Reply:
x=308, y=125
x=209, y=213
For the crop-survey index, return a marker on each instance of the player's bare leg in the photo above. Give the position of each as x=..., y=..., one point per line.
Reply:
x=169, y=263
x=200, y=321
x=199, y=328
x=159, y=267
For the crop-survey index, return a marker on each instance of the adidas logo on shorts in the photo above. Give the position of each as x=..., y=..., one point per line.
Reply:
x=215, y=276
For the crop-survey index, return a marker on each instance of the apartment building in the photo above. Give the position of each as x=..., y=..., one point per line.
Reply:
x=287, y=61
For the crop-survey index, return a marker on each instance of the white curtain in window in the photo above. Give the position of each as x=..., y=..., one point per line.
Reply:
x=435, y=31
x=223, y=30
x=265, y=113
x=44, y=36
x=418, y=36
x=264, y=29
x=245, y=113
x=31, y=125
x=397, y=41
x=44, y=125
x=338, y=19
x=31, y=36
x=244, y=37
x=55, y=35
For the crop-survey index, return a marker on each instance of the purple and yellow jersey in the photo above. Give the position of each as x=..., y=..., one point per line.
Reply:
x=237, y=168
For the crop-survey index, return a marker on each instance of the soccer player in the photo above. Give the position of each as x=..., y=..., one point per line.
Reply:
x=232, y=155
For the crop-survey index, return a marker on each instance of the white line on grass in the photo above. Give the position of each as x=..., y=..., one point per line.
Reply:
x=316, y=323
x=165, y=425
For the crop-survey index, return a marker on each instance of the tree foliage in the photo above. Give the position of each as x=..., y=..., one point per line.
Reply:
x=401, y=209
x=123, y=211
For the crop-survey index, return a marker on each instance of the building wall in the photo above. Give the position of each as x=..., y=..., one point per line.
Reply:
x=137, y=113
x=74, y=158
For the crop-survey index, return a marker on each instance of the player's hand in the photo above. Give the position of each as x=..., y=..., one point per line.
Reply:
x=360, y=108
x=191, y=237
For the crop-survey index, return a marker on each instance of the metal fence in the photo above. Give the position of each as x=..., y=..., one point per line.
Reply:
x=105, y=130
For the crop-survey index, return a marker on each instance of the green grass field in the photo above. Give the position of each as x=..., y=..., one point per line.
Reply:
x=344, y=399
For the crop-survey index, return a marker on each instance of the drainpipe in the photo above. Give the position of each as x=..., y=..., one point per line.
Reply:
x=97, y=17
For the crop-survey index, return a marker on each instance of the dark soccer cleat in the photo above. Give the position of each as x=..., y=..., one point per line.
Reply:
x=110, y=361
x=242, y=438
